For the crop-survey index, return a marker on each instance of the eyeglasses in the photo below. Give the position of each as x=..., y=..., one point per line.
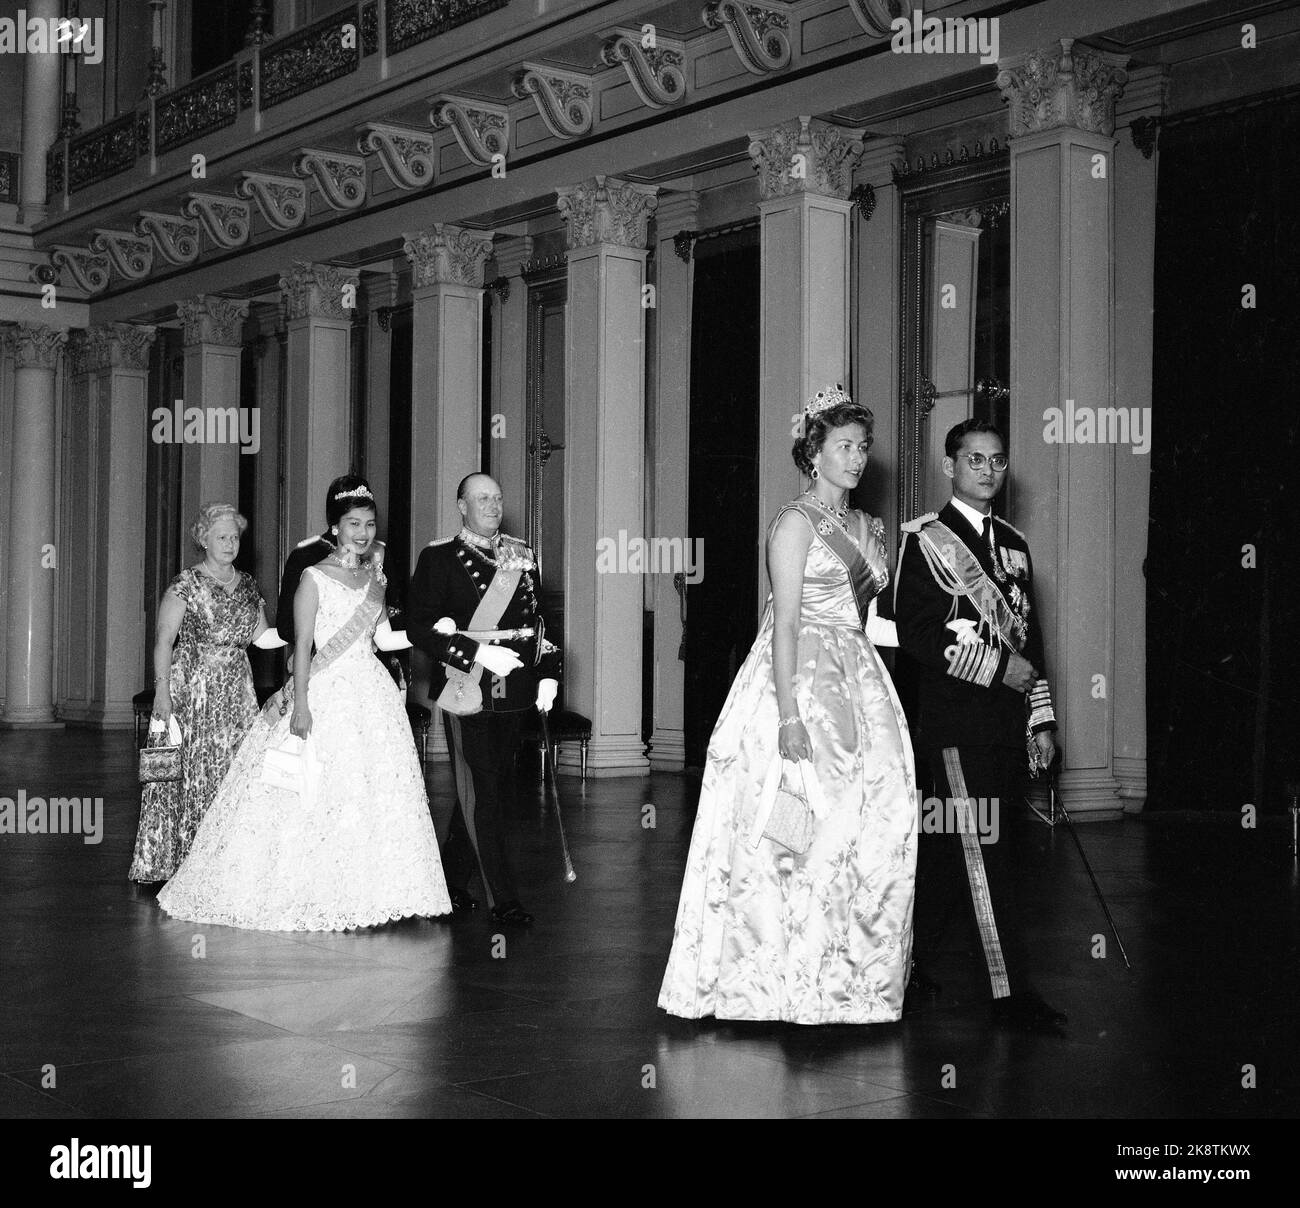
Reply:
x=977, y=461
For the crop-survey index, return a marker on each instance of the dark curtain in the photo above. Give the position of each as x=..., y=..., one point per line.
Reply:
x=1223, y=709
x=721, y=610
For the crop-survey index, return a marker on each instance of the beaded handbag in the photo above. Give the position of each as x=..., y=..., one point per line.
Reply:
x=160, y=761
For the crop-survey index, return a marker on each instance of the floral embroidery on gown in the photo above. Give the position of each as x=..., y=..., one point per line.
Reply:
x=214, y=705
x=357, y=852
x=824, y=936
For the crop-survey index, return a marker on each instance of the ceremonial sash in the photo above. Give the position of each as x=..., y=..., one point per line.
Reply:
x=958, y=571
x=846, y=551
x=372, y=604
x=976, y=876
x=462, y=694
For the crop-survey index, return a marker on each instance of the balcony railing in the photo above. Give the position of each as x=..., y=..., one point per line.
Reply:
x=8, y=178
x=257, y=78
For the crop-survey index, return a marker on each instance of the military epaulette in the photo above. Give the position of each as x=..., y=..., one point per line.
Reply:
x=915, y=526
x=1013, y=528
x=442, y=541
x=310, y=541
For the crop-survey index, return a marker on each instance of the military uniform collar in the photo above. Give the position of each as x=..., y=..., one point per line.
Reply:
x=470, y=537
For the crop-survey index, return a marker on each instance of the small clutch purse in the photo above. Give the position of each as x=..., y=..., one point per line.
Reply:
x=282, y=766
x=161, y=761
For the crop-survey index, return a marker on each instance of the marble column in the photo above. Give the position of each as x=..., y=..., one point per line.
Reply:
x=604, y=493
x=446, y=396
x=381, y=297
x=507, y=442
x=878, y=253
x=677, y=213
x=212, y=329
x=265, y=521
x=320, y=302
x=29, y=646
x=446, y=373
x=117, y=359
x=805, y=169
x=1135, y=241
x=1063, y=169
x=42, y=99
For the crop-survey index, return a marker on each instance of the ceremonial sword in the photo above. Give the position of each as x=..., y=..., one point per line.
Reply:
x=569, y=875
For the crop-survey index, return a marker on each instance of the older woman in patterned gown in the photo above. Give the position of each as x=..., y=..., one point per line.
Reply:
x=814, y=928
x=209, y=615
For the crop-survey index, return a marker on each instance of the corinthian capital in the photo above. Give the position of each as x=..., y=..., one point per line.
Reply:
x=805, y=155
x=606, y=210
x=118, y=346
x=447, y=255
x=210, y=319
x=1066, y=84
x=34, y=345
x=319, y=291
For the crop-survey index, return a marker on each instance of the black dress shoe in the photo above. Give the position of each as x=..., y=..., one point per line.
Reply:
x=461, y=902
x=1027, y=1012
x=511, y=912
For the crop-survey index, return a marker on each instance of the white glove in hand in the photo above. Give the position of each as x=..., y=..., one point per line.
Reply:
x=965, y=631
x=546, y=690
x=500, y=660
x=269, y=639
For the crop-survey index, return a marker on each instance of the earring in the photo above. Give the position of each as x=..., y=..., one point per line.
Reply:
x=816, y=474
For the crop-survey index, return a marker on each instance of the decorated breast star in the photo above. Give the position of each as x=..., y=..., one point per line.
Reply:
x=825, y=527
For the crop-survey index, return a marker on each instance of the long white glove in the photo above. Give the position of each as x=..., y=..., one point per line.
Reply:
x=546, y=690
x=500, y=660
x=387, y=638
x=880, y=632
x=269, y=639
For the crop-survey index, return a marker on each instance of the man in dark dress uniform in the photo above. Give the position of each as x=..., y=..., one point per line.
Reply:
x=473, y=610
x=964, y=612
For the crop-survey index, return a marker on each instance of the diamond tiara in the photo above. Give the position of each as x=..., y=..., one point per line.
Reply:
x=832, y=396
x=358, y=492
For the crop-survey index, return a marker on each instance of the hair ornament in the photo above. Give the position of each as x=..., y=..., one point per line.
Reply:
x=832, y=396
x=356, y=492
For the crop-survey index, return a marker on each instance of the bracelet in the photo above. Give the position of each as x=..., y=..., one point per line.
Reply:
x=788, y=721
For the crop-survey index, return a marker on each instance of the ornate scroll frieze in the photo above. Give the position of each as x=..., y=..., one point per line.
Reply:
x=481, y=128
x=116, y=346
x=655, y=72
x=875, y=16
x=88, y=270
x=405, y=152
x=129, y=254
x=607, y=210
x=318, y=291
x=175, y=239
x=226, y=220
x=447, y=255
x=759, y=32
x=563, y=98
x=211, y=319
x=1067, y=84
x=282, y=199
x=805, y=155
x=341, y=178
x=34, y=345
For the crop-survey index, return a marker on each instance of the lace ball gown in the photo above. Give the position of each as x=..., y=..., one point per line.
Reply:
x=825, y=936
x=357, y=851
x=214, y=705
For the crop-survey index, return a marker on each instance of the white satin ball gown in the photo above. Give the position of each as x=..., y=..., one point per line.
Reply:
x=356, y=846
x=824, y=936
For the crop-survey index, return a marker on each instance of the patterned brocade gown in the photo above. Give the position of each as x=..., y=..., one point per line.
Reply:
x=356, y=848
x=214, y=705
x=823, y=936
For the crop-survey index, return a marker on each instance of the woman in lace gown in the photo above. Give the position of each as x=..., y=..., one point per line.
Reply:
x=354, y=847
x=209, y=615
x=822, y=936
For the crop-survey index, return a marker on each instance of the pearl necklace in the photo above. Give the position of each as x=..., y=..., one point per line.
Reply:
x=222, y=582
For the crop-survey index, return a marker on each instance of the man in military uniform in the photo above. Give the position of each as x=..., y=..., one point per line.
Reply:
x=473, y=610
x=962, y=602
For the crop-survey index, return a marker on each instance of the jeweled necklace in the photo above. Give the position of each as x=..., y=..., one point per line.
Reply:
x=839, y=515
x=348, y=561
